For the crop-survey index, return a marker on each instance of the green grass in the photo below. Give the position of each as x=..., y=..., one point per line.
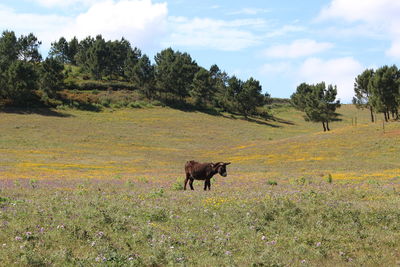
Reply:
x=86, y=188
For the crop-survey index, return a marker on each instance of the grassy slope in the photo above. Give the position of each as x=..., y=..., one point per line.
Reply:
x=123, y=218
x=155, y=143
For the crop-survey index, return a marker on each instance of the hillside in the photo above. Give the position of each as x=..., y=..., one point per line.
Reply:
x=155, y=143
x=84, y=188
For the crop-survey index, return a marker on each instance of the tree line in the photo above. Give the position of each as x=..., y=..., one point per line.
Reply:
x=173, y=78
x=379, y=91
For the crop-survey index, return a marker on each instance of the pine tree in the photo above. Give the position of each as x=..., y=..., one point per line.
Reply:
x=143, y=76
x=201, y=87
x=318, y=102
x=362, y=91
x=51, y=77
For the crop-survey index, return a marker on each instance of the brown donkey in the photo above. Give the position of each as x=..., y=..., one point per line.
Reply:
x=203, y=171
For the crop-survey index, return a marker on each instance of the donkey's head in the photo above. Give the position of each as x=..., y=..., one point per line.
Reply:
x=220, y=167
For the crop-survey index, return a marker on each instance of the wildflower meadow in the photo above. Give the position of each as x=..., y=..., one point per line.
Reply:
x=81, y=188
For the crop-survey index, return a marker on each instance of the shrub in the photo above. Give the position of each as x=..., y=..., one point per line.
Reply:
x=104, y=86
x=33, y=183
x=105, y=102
x=156, y=103
x=329, y=178
x=272, y=182
x=134, y=105
x=70, y=83
x=143, y=180
x=157, y=193
x=119, y=104
x=302, y=181
x=177, y=186
x=130, y=184
x=139, y=104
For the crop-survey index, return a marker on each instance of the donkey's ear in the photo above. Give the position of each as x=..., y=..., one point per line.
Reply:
x=212, y=165
x=227, y=163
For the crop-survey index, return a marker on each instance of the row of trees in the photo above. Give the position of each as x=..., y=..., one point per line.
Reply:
x=318, y=102
x=174, y=77
x=379, y=91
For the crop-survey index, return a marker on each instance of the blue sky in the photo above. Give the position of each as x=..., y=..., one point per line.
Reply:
x=281, y=43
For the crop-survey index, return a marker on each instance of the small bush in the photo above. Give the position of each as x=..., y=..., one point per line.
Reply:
x=33, y=183
x=3, y=201
x=70, y=84
x=130, y=184
x=178, y=185
x=302, y=181
x=104, y=86
x=158, y=215
x=156, y=103
x=329, y=179
x=135, y=104
x=272, y=182
x=143, y=180
x=157, y=193
x=119, y=104
x=106, y=102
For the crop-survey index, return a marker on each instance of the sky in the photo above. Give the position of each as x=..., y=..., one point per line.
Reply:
x=280, y=43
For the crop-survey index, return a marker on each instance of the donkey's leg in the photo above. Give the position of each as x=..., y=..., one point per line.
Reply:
x=191, y=184
x=186, y=181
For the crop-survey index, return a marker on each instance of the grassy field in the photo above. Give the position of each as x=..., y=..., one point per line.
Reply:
x=85, y=188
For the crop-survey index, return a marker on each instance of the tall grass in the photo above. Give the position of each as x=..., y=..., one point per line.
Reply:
x=84, y=188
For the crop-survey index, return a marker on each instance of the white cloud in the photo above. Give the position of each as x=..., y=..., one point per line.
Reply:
x=250, y=11
x=379, y=16
x=139, y=21
x=394, y=50
x=65, y=3
x=285, y=30
x=362, y=10
x=278, y=68
x=209, y=33
x=298, y=48
x=339, y=71
x=45, y=27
